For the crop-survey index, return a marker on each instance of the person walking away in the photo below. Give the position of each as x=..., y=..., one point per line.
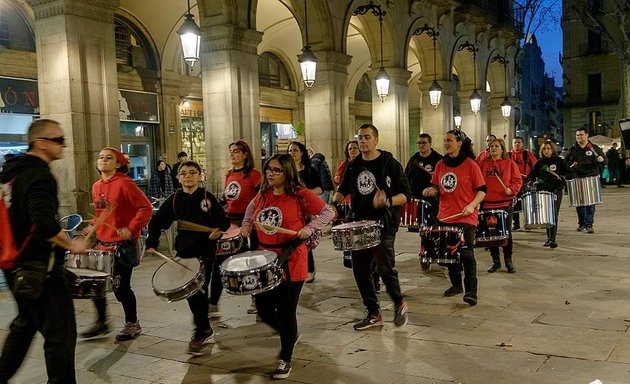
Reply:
x=29, y=190
x=318, y=161
x=126, y=210
x=503, y=181
x=377, y=184
x=549, y=175
x=584, y=158
x=525, y=160
x=613, y=157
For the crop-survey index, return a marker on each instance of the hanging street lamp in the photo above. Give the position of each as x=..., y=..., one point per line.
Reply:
x=382, y=77
x=475, y=97
x=190, y=37
x=435, y=90
x=307, y=60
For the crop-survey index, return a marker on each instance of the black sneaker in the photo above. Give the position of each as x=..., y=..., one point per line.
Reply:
x=97, y=330
x=547, y=243
x=400, y=314
x=553, y=245
x=452, y=291
x=283, y=370
x=589, y=230
x=368, y=322
x=471, y=299
x=580, y=229
x=198, y=344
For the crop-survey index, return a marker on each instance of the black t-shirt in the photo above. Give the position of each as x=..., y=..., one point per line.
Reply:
x=310, y=177
x=417, y=171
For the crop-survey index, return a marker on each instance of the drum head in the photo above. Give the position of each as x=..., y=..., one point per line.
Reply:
x=87, y=272
x=170, y=276
x=354, y=224
x=233, y=231
x=248, y=260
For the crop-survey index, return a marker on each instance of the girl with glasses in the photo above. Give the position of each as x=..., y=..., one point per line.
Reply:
x=283, y=202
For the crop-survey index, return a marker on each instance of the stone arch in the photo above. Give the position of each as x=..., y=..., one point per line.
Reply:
x=25, y=17
x=424, y=50
x=285, y=60
x=143, y=34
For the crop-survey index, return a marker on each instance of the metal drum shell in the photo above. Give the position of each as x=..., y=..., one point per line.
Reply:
x=356, y=235
x=539, y=209
x=182, y=292
x=435, y=243
x=261, y=279
x=496, y=234
x=90, y=284
x=97, y=260
x=584, y=191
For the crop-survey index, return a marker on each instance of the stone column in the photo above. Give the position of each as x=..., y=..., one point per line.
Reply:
x=229, y=61
x=475, y=126
x=436, y=122
x=77, y=78
x=391, y=117
x=326, y=107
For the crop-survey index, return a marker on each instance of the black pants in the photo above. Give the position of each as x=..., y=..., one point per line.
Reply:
x=507, y=249
x=123, y=292
x=311, y=261
x=216, y=285
x=198, y=303
x=278, y=308
x=467, y=261
x=552, y=231
x=383, y=258
x=53, y=316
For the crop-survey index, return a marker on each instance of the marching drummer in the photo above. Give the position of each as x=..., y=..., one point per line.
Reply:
x=460, y=185
x=503, y=180
x=419, y=171
x=378, y=187
x=194, y=204
x=525, y=160
x=123, y=210
x=241, y=185
x=283, y=206
x=584, y=158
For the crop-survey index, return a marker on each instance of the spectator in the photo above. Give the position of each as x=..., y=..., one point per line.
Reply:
x=318, y=161
x=182, y=157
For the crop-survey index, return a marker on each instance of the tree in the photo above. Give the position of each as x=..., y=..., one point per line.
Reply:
x=535, y=15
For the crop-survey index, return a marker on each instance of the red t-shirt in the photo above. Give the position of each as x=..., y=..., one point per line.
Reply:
x=284, y=211
x=508, y=171
x=458, y=187
x=239, y=190
x=131, y=208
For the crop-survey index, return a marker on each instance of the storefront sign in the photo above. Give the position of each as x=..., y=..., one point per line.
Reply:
x=138, y=106
x=19, y=96
x=191, y=108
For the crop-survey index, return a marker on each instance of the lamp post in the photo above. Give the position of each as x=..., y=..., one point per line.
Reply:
x=190, y=37
x=475, y=97
x=382, y=77
x=307, y=60
x=506, y=106
x=435, y=90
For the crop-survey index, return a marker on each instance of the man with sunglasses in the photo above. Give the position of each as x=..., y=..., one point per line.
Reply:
x=30, y=191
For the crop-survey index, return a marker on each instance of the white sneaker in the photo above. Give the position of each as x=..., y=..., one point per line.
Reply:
x=213, y=311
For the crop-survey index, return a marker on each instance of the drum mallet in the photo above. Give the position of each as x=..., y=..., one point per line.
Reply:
x=451, y=216
x=281, y=230
x=168, y=259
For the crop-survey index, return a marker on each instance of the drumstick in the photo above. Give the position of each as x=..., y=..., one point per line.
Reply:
x=104, y=223
x=553, y=173
x=190, y=226
x=451, y=216
x=101, y=219
x=281, y=230
x=501, y=181
x=168, y=259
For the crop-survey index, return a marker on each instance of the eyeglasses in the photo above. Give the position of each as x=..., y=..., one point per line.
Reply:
x=59, y=140
x=275, y=171
x=422, y=142
x=189, y=173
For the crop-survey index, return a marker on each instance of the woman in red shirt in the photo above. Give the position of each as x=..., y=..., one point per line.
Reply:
x=504, y=180
x=284, y=202
x=351, y=151
x=458, y=182
x=127, y=210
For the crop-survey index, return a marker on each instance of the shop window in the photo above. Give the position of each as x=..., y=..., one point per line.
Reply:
x=15, y=33
x=272, y=72
x=364, y=89
x=132, y=49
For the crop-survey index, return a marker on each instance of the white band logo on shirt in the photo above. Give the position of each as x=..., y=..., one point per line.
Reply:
x=428, y=167
x=552, y=167
x=272, y=217
x=205, y=205
x=449, y=182
x=232, y=190
x=365, y=183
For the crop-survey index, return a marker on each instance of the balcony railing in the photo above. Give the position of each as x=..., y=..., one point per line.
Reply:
x=501, y=10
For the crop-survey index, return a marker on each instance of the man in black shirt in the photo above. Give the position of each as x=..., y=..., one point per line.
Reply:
x=378, y=187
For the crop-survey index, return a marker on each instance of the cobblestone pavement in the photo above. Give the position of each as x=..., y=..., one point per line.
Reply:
x=562, y=318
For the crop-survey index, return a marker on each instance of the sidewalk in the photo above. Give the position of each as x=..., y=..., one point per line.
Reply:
x=562, y=318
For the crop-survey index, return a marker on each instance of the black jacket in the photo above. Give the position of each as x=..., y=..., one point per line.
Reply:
x=33, y=204
x=200, y=207
x=543, y=177
x=417, y=171
x=584, y=160
x=318, y=161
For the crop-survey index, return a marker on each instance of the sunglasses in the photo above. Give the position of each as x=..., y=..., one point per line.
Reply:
x=59, y=140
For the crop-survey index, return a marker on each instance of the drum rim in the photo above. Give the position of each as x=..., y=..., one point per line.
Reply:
x=263, y=251
x=160, y=292
x=441, y=228
x=365, y=223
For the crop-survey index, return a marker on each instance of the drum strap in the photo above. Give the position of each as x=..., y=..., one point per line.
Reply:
x=288, y=250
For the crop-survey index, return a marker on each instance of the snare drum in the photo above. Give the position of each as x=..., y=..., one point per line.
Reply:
x=250, y=272
x=584, y=191
x=230, y=243
x=492, y=229
x=440, y=244
x=97, y=260
x=538, y=209
x=415, y=214
x=356, y=235
x=172, y=282
x=90, y=284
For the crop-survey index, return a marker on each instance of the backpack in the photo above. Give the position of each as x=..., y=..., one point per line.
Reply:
x=8, y=250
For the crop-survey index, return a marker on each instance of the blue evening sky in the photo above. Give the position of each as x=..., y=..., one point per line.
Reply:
x=550, y=42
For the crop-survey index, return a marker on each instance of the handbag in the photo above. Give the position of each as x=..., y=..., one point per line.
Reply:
x=29, y=280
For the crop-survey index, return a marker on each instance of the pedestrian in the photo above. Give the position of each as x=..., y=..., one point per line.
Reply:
x=310, y=179
x=549, y=175
x=161, y=183
x=125, y=211
x=318, y=161
x=503, y=181
x=584, y=158
x=486, y=152
x=461, y=188
x=525, y=160
x=28, y=185
x=182, y=157
x=614, y=159
x=351, y=152
x=194, y=204
x=378, y=187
